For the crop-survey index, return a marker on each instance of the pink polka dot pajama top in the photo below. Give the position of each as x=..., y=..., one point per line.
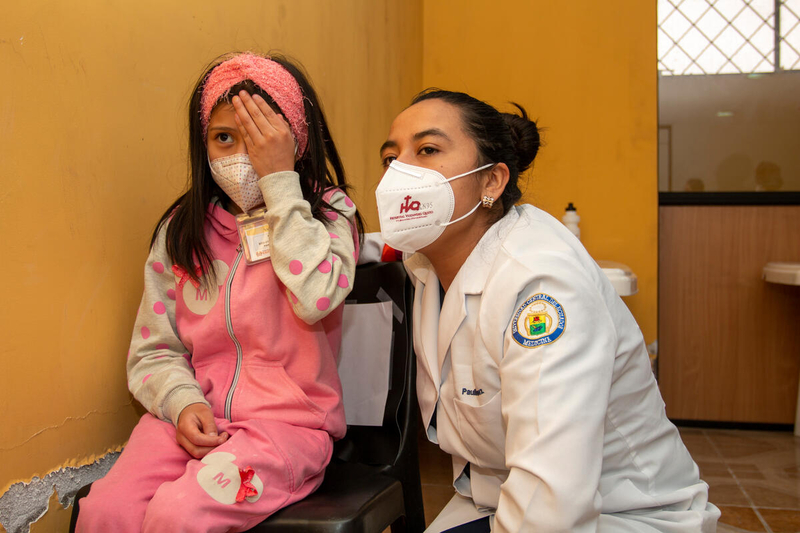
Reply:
x=257, y=344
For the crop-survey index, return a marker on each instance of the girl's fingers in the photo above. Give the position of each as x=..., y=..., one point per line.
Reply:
x=195, y=450
x=275, y=120
x=268, y=137
x=210, y=428
x=197, y=430
x=208, y=423
x=243, y=114
x=259, y=117
x=200, y=439
x=201, y=451
x=246, y=136
x=198, y=452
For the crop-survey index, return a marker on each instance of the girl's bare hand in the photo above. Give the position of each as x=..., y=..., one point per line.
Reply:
x=269, y=139
x=197, y=431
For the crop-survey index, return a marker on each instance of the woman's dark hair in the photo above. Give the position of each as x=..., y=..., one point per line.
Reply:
x=500, y=137
x=320, y=168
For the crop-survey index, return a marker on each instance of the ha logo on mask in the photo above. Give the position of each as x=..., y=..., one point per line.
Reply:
x=410, y=205
x=415, y=204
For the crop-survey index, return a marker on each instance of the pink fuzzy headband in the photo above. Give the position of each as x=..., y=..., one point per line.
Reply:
x=267, y=74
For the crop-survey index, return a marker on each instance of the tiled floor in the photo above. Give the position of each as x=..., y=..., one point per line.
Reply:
x=754, y=477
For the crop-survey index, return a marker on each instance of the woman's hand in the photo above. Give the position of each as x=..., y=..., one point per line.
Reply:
x=197, y=431
x=269, y=139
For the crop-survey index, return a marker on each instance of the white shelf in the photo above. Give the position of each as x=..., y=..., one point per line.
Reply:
x=785, y=273
x=621, y=277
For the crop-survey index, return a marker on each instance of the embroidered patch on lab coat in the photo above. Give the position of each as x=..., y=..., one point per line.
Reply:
x=538, y=321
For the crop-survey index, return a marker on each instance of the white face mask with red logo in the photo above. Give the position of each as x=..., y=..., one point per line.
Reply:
x=415, y=205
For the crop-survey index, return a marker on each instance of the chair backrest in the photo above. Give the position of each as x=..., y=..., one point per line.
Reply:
x=386, y=444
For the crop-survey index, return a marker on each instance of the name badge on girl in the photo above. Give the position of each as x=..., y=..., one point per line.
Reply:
x=254, y=235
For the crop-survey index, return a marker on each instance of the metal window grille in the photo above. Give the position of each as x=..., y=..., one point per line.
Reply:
x=789, y=24
x=728, y=36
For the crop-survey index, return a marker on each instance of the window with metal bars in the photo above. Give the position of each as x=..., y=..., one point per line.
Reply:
x=728, y=36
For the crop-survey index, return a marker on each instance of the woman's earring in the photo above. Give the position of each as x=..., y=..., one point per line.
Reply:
x=488, y=201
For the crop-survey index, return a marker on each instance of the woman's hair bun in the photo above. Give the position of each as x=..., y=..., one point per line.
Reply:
x=524, y=135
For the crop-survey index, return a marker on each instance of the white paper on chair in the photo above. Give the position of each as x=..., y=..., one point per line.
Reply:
x=364, y=361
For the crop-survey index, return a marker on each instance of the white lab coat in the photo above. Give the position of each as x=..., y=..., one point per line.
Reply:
x=569, y=435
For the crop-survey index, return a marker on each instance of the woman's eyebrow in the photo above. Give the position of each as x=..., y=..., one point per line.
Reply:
x=388, y=144
x=417, y=136
x=432, y=131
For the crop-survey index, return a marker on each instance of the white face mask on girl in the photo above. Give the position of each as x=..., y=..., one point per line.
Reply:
x=235, y=175
x=415, y=204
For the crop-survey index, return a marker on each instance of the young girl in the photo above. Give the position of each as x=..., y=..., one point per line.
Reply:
x=235, y=343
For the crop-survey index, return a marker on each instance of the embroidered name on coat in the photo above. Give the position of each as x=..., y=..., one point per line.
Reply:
x=471, y=392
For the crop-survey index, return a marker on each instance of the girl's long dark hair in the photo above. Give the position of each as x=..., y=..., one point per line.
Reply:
x=320, y=168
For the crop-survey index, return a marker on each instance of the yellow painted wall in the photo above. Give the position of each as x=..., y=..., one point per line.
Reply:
x=92, y=150
x=587, y=72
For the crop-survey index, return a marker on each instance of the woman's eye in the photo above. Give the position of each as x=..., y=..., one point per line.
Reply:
x=225, y=138
x=428, y=150
x=386, y=161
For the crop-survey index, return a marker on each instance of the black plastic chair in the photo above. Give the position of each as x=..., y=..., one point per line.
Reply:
x=373, y=481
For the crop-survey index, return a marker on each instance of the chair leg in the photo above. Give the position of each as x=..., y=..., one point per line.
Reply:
x=412, y=494
x=399, y=525
x=76, y=508
x=415, y=510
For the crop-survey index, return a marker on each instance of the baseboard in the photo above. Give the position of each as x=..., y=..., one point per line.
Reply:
x=751, y=426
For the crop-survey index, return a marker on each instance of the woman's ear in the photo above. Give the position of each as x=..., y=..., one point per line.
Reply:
x=496, y=181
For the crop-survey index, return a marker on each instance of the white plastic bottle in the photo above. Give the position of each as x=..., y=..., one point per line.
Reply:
x=571, y=219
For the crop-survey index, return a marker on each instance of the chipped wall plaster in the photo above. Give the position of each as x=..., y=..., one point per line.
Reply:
x=25, y=503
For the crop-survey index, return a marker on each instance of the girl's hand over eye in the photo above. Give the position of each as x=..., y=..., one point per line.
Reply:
x=269, y=139
x=197, y=431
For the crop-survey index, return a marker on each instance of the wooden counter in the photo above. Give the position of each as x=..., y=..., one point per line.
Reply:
x=729, y=343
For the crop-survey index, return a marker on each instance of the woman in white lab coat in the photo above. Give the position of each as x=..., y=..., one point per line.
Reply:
x=532, y=373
